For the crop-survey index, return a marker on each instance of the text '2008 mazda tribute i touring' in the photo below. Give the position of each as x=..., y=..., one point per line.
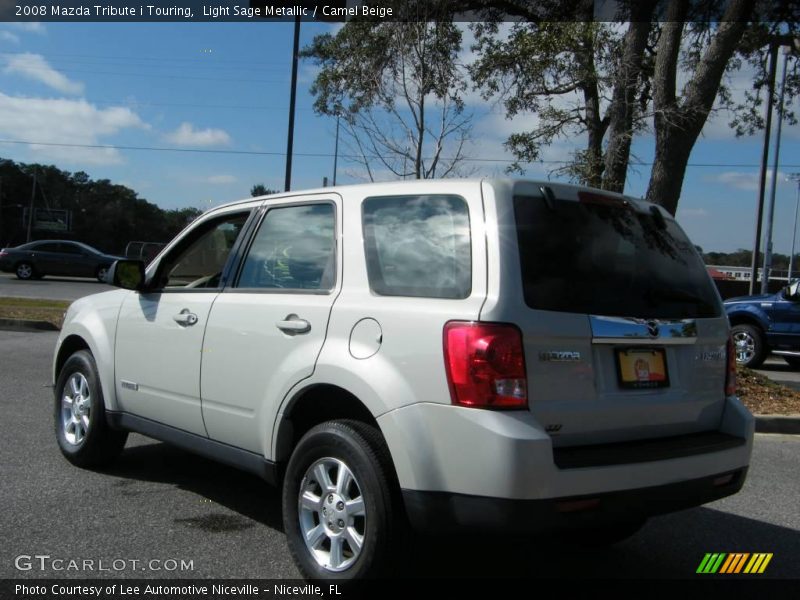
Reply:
x=486, y=354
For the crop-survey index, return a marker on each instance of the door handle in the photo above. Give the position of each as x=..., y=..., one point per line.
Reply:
x=185, y=318
x=292, y=325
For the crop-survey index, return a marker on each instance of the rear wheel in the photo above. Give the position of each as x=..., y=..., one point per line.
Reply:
x=83, y=435
x=749, y=343
x=101, y=274
x=25, y=271
x=339, y=510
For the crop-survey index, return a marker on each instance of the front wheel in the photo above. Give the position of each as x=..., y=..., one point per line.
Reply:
x=339, y=509
x=749, y=344
x=83, y=435
x=101, y=274
x=25, y=271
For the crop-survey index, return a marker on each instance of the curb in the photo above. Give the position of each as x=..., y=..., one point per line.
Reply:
x=778, y=424
x=25, y=325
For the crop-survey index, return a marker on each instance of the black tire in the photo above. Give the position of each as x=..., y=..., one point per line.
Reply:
x=605, y=535
x=25, y=271
x=751, y=350
x=100, y=274
x=792, y=361
x=99, y=445
x=363, y=450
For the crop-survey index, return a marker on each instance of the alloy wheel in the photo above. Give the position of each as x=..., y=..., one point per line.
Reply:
x=332, y=514
x=76, y=406
x=745, y=346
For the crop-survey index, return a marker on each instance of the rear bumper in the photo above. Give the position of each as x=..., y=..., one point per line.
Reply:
x=440, y=512
x=450, y=459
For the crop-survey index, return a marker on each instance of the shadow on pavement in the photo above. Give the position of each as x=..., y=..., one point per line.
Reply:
x=236, y=490
x=670, y=546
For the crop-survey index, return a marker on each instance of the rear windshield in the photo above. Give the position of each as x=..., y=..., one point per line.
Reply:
x=609, y=260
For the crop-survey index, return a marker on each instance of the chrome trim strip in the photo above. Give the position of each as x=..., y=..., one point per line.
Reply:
x=626, y=330
x=645, y=341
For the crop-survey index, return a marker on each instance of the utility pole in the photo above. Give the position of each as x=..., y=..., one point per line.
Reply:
x=770, y=219
x=794, y=177
x=290, y=138
x=773, y=64
x=30, y=209
x=336, y=150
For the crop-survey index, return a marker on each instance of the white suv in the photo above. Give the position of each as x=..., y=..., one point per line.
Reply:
x=492, y=354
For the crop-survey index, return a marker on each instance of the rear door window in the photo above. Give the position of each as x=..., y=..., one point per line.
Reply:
x=294, y=249
x=418, y=246
x=609, y=259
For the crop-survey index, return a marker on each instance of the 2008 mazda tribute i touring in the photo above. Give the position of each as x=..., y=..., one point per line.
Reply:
x=486, y=354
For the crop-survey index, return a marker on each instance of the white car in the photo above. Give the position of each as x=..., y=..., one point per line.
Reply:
x=486, y=354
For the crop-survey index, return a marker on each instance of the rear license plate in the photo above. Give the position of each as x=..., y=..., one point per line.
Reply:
x=641, y=368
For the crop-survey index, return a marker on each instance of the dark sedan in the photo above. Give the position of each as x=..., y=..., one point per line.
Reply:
x=55, y=257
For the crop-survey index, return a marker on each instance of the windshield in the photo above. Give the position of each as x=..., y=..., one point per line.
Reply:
x=609, y=259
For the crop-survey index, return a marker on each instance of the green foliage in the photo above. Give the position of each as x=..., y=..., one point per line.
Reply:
x=104, y=215
x=260, y=189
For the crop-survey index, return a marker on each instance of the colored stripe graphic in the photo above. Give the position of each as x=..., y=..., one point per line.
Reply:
x=758, y=563
x=734, y=563
x=724, y=563
x=711, y=563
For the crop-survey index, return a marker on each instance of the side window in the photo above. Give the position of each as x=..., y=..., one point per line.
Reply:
x=294, y=249
x=69, y=249
x=49, y=247
x=418, y=246
x=199, y=261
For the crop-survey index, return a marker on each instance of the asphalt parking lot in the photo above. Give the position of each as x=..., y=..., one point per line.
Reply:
x=162, y=504
x=50, y=288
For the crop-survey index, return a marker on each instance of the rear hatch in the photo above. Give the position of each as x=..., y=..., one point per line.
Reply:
x=624, y=333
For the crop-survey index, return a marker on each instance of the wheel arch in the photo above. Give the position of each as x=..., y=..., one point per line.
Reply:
x=71, y=344
x=311, y=406
x=745, y=318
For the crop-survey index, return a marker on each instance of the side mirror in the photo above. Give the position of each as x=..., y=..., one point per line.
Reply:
x=126, y=274
x=792, y=291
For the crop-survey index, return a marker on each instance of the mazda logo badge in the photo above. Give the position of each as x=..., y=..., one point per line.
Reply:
x=652, y=328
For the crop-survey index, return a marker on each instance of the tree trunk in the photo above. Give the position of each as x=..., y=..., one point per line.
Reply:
x=623, y=103
x=595, y=128
x=677, y=124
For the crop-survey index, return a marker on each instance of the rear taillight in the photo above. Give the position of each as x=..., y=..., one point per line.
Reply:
x=730, y=372
x=485, y=365
x=3, y=252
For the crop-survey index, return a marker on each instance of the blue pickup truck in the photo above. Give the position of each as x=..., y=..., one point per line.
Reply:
x=769, y=323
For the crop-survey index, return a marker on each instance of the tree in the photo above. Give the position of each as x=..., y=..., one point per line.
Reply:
x=104, y=215
x=562, y=71
x=260, y=189
x=397, y=89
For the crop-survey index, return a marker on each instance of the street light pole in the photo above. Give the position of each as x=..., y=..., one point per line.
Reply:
x=794, y=177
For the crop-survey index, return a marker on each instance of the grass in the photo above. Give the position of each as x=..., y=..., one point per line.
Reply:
x=31, y=309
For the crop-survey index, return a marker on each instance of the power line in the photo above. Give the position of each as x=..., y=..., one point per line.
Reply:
x=204, y=58
x=63, y=64
x=329, y=154
x=161, y=76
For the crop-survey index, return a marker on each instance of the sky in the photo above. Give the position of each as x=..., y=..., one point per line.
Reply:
x=220, y=93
